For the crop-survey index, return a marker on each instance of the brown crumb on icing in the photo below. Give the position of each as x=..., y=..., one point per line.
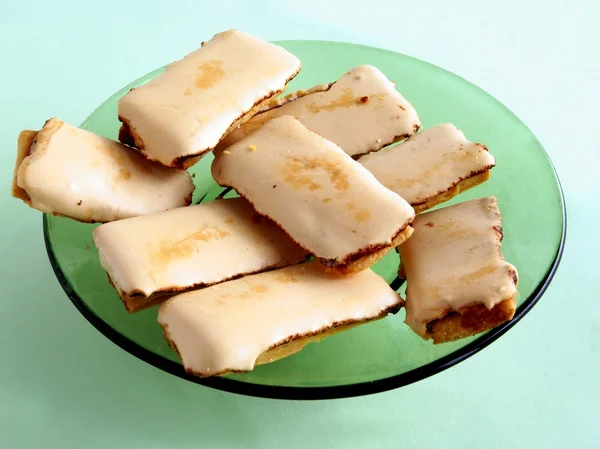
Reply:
x=79, y=203
x=210, y=73
x=500, y=231
x=429, y=224
x=401, y=107
x=364, y=99
x=327, y=200
x=229, y=220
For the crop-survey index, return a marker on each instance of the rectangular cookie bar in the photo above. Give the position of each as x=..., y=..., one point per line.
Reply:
x=149, y=257
x=64, y=170
x=183, y=113
x=458, y=284
x=432, y=166
x=231, y=327
x=327, y=202
x=361, y=112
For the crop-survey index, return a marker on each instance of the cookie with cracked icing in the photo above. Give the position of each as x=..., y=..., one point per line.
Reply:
x=432, y=166
x=361, y=112
x=234, y=326
x=183, y=113
x=67, y=171
x=327, y=202
x=147, y=258
x=458, y=283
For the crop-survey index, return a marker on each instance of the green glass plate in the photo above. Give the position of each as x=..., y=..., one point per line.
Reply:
x=381, y=355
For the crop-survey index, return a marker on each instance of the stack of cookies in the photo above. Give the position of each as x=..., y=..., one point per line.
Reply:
x=249, y=280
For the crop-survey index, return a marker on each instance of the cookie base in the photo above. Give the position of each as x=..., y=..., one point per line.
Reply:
x=470, y=321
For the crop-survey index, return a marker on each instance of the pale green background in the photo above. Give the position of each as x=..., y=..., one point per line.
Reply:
x=63, y=385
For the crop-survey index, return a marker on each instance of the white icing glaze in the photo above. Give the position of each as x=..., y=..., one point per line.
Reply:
x=227, y=326
x=357, y=126
x=81, y=175
x=453, y=260
x=188, y=246
x=187, y=110
x=428, y=163
x=324, y=200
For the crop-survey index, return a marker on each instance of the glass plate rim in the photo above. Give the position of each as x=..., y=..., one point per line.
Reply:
x=315, y=393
